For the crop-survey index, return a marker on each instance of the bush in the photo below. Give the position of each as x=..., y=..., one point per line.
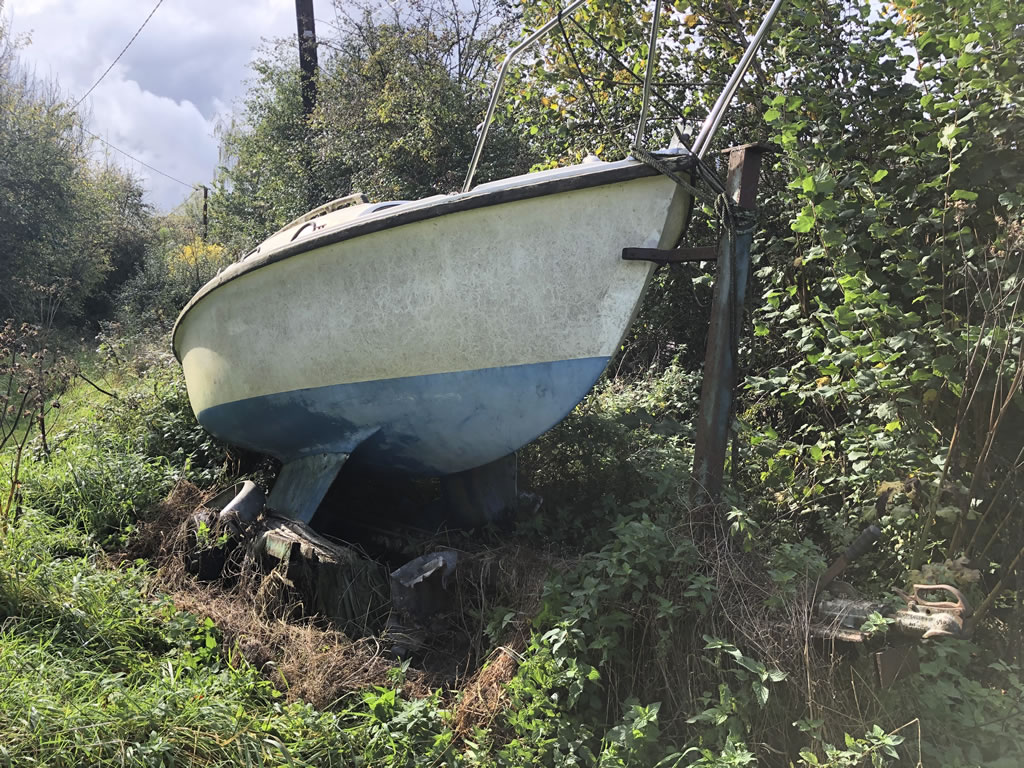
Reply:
x=177, y=266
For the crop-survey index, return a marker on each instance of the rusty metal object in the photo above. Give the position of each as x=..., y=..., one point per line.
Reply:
x=841, y=614
x=841, y=618
x=720, y=365
x=939, y=618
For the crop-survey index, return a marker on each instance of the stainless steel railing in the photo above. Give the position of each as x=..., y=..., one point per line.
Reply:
x=496, y=92
x=714, y=118
x=711, y=123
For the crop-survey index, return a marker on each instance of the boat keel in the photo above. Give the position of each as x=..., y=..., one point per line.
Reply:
x=303, y=483
x=482, y=495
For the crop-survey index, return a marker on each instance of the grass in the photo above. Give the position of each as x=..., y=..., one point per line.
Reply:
x=97, y=667
x=95, y=670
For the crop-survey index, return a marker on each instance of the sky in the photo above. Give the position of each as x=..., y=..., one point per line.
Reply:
x=162, y=101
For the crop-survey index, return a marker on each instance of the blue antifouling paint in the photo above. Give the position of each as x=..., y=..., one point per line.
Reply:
x=435, y=424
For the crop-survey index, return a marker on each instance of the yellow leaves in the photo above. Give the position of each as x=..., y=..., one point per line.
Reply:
x=550, y=104
x=890, y=486
x=198, y=260
x=198, y=252
x=823, y=381
x=905, y=12
x=187, y=255
x=691, y=20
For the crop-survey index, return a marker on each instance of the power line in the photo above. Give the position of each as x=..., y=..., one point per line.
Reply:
x=140, y=162
x=113, y=146
x=158, y=4
x=100, y=79
x=187, y=199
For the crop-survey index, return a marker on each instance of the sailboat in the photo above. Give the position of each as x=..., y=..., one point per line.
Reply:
x=435, y=336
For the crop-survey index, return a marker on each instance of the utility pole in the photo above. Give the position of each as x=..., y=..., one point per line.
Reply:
x=307, y=53
x=206, y=202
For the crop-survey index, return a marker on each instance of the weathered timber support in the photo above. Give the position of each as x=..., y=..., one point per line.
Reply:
x=720, y=363
x=671, y=255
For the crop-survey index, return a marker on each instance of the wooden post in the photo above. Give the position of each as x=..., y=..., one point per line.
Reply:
x=307, y=53
x=206, y=204
x=720, y=365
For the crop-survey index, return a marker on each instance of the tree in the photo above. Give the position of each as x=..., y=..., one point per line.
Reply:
x=399, y=100
x=72, y=230
x=177, y=262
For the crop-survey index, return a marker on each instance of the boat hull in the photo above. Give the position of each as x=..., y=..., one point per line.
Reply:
x=435, y=424
x=432, y=346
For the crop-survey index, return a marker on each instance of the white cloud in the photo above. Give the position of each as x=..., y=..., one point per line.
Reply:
x=173, y=136
x=161, y=101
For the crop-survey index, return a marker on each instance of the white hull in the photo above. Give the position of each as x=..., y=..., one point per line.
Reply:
x=442, y=343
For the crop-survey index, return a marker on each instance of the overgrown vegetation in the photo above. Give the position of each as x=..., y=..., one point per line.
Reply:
x=884, y=363
x=72, y=230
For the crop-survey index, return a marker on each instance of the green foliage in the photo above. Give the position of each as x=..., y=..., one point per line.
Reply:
x=875, y=624
x=177, y=264
x=567, y=116
x=161, y=416
x=555, y=707
x=616, y=672
x=626, y=449
x=98, y=673
x=875, y=748
x=265, y=186
x=883, y=383
x=747, y=670
x=883, y=372
x=98, y=486
x=99, y=670
x=894, y=299
x=890, y=324
x=72, y=230
x=400, y=98
x=969, y=704
x=122, y=456
x=31, y=378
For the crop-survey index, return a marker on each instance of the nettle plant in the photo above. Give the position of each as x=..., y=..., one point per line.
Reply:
x=889, y=347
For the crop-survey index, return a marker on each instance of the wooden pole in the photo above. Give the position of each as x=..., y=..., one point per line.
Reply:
x=206, y=203
x=307, y=53
x=714, y=421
